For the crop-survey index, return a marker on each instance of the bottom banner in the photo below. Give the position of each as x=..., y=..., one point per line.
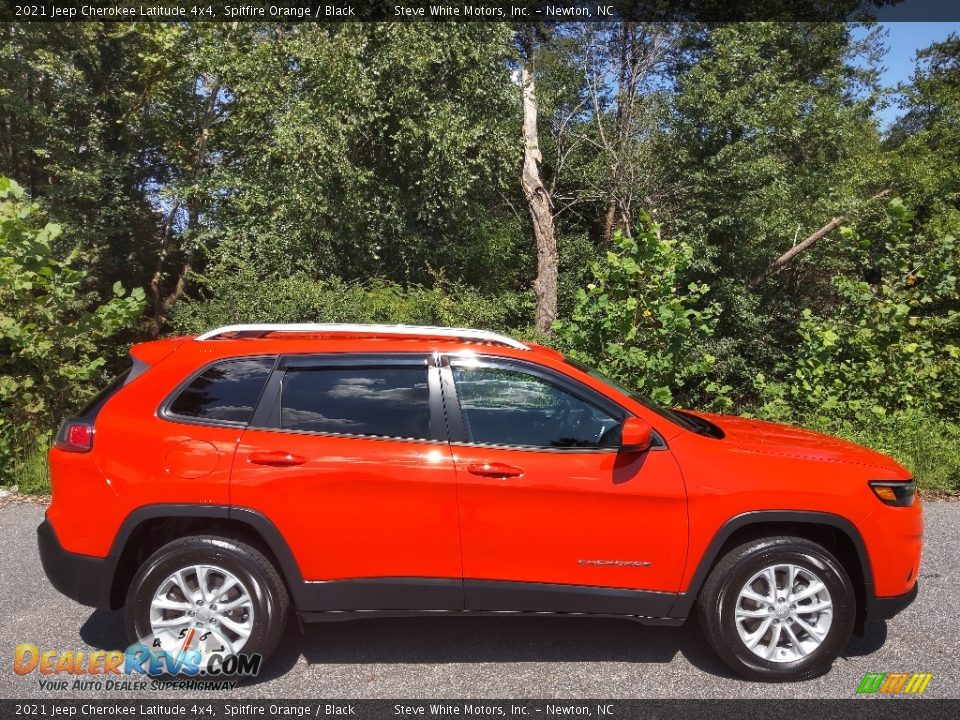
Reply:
x=879, y=709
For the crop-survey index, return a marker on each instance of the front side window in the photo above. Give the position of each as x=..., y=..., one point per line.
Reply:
x=225, y=392
x=383, y=402
x=510, y=407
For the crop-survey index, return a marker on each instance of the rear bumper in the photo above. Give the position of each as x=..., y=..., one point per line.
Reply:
x=85, y=579
x=884, y=608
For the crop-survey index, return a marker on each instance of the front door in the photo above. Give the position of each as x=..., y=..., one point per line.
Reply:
x=352, y=465
x=548, y=502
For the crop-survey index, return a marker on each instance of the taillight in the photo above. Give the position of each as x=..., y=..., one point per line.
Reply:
x=74, y=436
x=892, y=492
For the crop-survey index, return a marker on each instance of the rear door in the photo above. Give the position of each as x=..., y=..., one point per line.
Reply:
x=546, y=500
x=348, y=457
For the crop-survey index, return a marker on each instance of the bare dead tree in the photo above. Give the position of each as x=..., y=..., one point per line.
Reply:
x=620, y=65
x=538, y=198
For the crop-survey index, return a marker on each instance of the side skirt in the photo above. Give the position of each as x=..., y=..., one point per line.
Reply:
x=348, y=615
x=336, y=600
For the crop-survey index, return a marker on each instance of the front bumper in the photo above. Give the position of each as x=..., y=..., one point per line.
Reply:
x=884, y=608
x=85, y=579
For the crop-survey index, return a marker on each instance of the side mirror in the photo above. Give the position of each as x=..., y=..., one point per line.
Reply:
x=636, y=435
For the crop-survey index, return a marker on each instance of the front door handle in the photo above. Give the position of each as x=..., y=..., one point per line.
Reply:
x=277, y=459
x=495, y=470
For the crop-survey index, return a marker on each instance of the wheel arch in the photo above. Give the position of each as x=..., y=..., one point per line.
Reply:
x=148, y=528
x=835, y=532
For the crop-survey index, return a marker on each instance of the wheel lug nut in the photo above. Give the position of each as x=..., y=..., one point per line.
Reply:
x=779, y=600
x=200, y=602
x=213, y=607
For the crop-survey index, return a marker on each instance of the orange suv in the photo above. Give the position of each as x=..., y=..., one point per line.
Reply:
x=352, y=471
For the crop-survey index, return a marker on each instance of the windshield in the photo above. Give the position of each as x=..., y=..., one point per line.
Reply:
x=683, y=419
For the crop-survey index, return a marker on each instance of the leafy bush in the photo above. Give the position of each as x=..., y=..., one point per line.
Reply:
x=636, y=323
x=892, y=342
x=52, y=335
x=236, y=294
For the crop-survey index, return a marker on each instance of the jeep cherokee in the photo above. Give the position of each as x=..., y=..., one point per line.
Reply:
x=350, y=471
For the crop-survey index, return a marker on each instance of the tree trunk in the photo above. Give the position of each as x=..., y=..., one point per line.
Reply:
x=609, y=218
x=540, y=205
x=620, y=140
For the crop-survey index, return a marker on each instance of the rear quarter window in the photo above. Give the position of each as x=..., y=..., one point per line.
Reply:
x=225, y=392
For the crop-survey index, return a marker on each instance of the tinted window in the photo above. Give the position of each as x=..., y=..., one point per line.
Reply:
x=388, y=402
x=227, y=391
x=511, y=407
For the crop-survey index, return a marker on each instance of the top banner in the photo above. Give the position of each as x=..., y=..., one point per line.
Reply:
x=516, y=11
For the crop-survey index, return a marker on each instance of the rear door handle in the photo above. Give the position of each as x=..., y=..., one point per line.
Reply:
x=277, y=459
x=496, y=470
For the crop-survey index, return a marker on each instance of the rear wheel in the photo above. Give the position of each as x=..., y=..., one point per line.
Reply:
x=213, y=595
x=776, y=609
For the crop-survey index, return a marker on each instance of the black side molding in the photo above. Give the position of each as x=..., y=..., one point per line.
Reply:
x=884, y=608
x=499, y=596
x=89, y=580
x=685, y=601
x=251, y=518
x=82, y=578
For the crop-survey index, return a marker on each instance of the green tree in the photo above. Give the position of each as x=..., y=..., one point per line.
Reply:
x=362, y=150
x=772, y=134
x=926, y=140
x=638, y=323
x=892, y=341
x=53, y=335
x=95, y=118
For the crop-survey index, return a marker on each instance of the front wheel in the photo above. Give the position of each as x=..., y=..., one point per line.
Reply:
x=210, y=595
x=778, y=609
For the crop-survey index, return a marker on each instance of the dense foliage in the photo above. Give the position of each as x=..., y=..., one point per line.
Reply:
x=371, y=172
x=637, y=324
x=53, y=335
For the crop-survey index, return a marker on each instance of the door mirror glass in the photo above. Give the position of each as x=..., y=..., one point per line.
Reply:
x=636, y=435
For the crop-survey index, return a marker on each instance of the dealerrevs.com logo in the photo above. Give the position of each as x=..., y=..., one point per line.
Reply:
x=139, y=667
x=896, y=683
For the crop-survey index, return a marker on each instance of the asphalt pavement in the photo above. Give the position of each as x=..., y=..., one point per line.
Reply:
x=484, y=657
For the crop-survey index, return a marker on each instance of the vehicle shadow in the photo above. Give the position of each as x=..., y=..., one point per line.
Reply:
x=477, y=639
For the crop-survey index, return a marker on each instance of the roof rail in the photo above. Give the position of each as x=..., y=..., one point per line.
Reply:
x=259, y=330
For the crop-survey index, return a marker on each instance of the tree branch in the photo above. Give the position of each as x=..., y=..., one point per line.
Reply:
x=778, y=264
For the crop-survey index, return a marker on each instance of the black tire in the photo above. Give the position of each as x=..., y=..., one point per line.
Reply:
x=266, y=588
x=720, y=594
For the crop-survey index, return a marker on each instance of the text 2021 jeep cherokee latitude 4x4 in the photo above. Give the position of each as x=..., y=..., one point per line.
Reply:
x=353, y=471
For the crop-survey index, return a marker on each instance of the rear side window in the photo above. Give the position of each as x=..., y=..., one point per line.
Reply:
x=384, y=401
x=225, y=392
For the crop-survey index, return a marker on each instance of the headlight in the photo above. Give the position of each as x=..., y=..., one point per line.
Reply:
x=895, y=492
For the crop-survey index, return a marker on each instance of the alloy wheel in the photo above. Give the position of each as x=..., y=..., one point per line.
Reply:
x=784, y=613
x=202, y=607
